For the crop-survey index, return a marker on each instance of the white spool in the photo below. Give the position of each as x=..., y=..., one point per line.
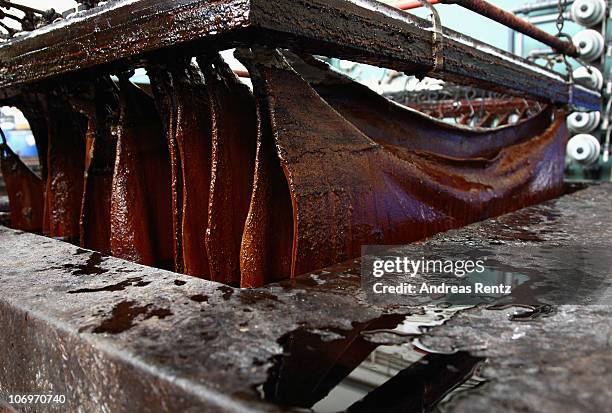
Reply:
x=583, y=122
x=590, y=44
x=588, y=12
x=593, y=80
x=584, y=149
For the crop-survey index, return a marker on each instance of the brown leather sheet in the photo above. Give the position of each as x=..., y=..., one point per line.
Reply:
x=210, y=122
x=387, y=122
x=247, y=190
x=102, y=113
x=234, y=136
x=25, y=191
x=65, y=165
x=183, y=97
x=348, y=189
x=141, y=217
x=167, y=106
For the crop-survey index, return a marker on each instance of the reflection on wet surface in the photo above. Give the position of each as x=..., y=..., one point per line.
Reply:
x=522, y=274
x=374, y=367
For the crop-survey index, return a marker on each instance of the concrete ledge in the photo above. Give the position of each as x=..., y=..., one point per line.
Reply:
x=113, y=336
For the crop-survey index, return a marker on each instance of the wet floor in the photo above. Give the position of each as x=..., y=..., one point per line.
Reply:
x=375, y=367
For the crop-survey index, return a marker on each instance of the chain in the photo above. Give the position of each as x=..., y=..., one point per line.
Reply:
x=562, y=5
x=560, y=18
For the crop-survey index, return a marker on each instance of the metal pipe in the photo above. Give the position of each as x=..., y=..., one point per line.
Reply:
x=408, y=5
x=508, y=19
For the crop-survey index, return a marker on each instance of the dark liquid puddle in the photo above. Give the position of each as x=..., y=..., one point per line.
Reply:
x=348, y=371
x=125, y=314
x=91, y=267
x=121, y=286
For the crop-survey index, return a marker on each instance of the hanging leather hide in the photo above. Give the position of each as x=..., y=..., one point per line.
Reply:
x=141, y=218
x=102, y=113
x=387, y=122
x=25, y=191
x=183, y=97
x=162, y=85
x=347, y=189
x=65, y=165
x=210, y=125
x=234, y=124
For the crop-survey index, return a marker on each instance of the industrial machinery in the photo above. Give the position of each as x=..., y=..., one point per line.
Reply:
x=195, y=243
x=589, y=147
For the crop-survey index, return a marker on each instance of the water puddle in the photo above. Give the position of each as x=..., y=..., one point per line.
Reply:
x=534, y=276
x=374, y=367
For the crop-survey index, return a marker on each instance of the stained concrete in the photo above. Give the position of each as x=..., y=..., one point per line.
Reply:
x=118, y=337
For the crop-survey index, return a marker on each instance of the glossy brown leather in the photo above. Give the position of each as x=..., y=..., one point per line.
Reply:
x=65, y=165
x=162, y=85
x=387, y=122
x=234, y=136
x=267, y=240
x=348, y=189
x=25, y=191
x=183, y=96
x=141, y=218
x=95, y=223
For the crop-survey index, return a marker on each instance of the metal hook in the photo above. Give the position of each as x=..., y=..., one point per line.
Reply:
x=437, y=37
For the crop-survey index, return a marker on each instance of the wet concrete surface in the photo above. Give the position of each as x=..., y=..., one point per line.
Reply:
x=136, y=339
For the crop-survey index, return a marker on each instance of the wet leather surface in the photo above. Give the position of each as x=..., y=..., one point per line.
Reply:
x=210, y=123
x=95, y=223
x=167, y=106
x=182, y=100
x=25, y=191
x=65, y=165
x=141, y=219
x=349, y=190
x=234, y=136
x=247, y=190
x=389, y=123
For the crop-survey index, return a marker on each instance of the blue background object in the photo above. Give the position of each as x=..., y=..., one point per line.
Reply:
x=22, y=143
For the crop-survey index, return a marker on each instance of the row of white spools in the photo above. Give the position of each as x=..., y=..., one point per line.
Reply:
x=584, y=148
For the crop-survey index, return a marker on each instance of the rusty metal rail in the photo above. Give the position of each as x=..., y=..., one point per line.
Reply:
x=128, y=31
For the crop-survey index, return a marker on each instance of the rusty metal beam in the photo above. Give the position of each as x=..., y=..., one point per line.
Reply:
x=360, y=30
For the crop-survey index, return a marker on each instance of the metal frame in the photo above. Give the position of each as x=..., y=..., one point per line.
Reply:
x=128, y=31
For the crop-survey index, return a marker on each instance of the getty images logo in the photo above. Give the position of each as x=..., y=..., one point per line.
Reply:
x=412, y=267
